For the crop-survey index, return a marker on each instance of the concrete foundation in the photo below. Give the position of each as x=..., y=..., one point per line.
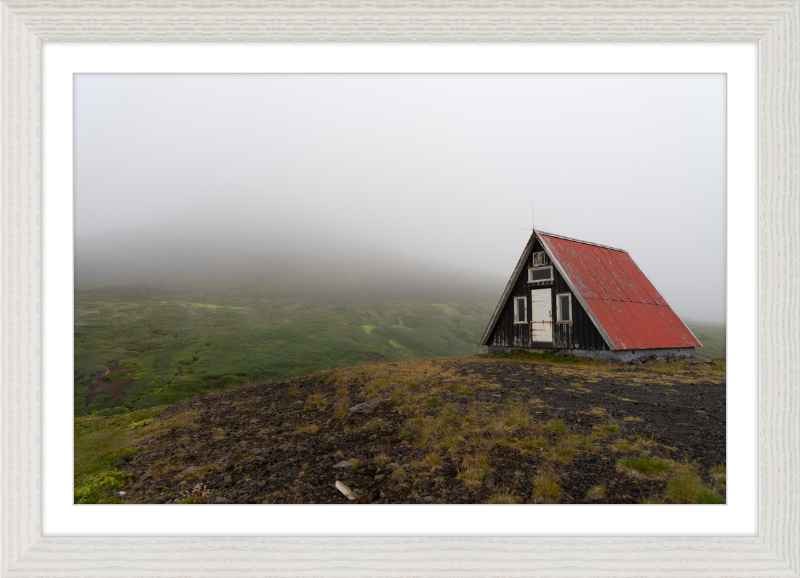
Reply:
x=621, y=356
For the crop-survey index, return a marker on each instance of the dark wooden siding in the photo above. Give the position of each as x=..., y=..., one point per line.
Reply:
x=509, y=334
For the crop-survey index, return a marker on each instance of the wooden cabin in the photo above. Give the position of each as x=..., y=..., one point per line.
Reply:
x=585, y=297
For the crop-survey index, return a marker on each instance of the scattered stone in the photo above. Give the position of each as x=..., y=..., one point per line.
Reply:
x=379, y=477
x=392, y=467
x=126, y=457
x=118, y=463
x=346, y=491
x=427, y=499
x=343, y=464
x=228, y=479
x=519, y=500
x=189, y=470
x=145, y=476
x=366, y=407
x=283, y=447
x=259, y=460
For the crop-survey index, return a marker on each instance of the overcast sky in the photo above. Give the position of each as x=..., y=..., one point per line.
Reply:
x=443, y=167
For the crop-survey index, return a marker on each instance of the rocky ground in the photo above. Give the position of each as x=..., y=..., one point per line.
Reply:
x=468, y=430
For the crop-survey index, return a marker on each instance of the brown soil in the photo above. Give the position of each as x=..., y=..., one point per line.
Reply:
x=470, y=430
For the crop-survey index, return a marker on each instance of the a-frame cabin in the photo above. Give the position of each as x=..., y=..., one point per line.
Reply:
x=585, y=297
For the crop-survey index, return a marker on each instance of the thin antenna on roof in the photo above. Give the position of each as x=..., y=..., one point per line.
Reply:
x=533, y=214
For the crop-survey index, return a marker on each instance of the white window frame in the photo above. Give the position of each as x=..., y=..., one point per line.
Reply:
x=550, y=280
x=558, y=307
x=517, y=301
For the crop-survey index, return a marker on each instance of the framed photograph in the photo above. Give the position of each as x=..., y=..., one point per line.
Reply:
x=495, y=489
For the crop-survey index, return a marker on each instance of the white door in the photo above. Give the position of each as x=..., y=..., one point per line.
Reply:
x=541, y=315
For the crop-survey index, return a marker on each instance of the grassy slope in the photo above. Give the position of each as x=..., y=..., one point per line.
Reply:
x=218, y=342
x=711, y=336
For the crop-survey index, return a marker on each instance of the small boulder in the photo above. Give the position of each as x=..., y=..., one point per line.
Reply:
x=379, y=477
x=189, y=470
x=366, y=407
x=118, y=463
x=221, y=500
x=343, y=464
x=145, y=476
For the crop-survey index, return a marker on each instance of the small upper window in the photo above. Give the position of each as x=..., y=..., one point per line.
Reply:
x=536, y=274
x=564, y=306
x=539, y=259
x=520, y=310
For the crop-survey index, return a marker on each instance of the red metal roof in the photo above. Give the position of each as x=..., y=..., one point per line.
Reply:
x=624, y=304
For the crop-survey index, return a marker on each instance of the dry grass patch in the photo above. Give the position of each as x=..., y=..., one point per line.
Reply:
x=546, y=489
x=534, y=444
x=317, y=401
x=554, y=426
x=596, y=493
x=432, y=461
x=718, y=474
x=620, y=445
x=634, y=419
x=502, y=498
x=473, y=469
x=340, y=412
x=309, y=429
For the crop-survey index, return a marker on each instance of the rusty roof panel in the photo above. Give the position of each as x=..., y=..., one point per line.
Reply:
x=635, y=274
x=619, y=298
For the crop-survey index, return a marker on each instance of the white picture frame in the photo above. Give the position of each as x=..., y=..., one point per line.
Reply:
x=776, y=28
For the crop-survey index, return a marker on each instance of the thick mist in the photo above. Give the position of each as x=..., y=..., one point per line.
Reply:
x=265, y=263
x=394, y=186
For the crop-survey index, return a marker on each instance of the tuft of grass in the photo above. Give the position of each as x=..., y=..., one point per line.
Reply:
x=309, y=429
x=563, y=453
x=546, y=489
x=316, y=400
x=596, y=493
x=473, y=468
x=432, y=460
x=534, y=444
x=341, y=411
x=293, y=393
x=382, y=459
x=502, y=498
x=598, y=411
x=644, y=467
x=634, y=419
x=620, y=445
x=610, y=428
x=554, y=426
x=688, y=488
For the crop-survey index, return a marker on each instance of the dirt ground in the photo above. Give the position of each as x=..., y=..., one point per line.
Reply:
x=463, y=430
